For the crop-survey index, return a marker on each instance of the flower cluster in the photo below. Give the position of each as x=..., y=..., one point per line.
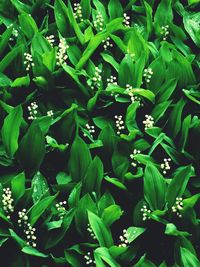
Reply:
x=99, y=22
x=145, y=213
x=126, y=20
x=147, y=74
x=133, y=97
x=91, y=129
x=61, y=208
x=124, y=239
x=15, y=32
x=7, y=201
x=134, y=162
x=33, y=111
x=51, y=39
x=96, y=79
x=90, y=231
x=119, y=123
x=50, y=113
x=148, y=122
x=61, y=55
x=112, y=80
x=28, y=62
x=165, y=32
x=178, y=206
x=165, y=165
x=89, y=259
x=29, y=231
x=78, y=12
x=106, y=43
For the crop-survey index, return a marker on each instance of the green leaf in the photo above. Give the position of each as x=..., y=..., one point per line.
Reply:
x=126, y=71
x=93, y=177
x=31, y=157
x=10, y=130
x=178, y=184
x=81, y=216
x=21, y=81
x=28, y=25
x=103, y=255
x=172, y=230
x=39, y=208
x=4, y=80
x=111, y=214
x=86, y=8
x=133, y=233
x=113, y=11
x=144, y=262
x=74, y=24
x=96, y=41
x=80, y=159
x=154, y=187
x=175, y=118
x=62, y=18
x=92, y=46
x=191, y=24
x=17, y=238
x=4, y=39
x=184, y=132
x=34, y=252
x=40, y=187
x=8, y=59
x=188, y=258
x=130, y=121
x=163, y=14
x=100, y=230
x=56, y=235
x=116, y=182
x=18, y=186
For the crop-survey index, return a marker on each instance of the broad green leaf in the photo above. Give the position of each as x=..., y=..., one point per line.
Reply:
x=8, y=59
x=104, y=254
x=28, y=25
x=21, y=81
x=56, y=235
x=188, y=258
x=191, y=24
x=126, y=71
x=81, y=216
x=130, y=121
x=171, y=229
x=113, y=11
x=154, y=187
x=134, y=232
x=4, y=39
x=111, y=214
x=178, y=184
x=144, y=262
x=80, y=159
x=18, y=186
x=100, y=230
x=175, y=118
x=36, y=211
x=39, y=186
x=62, y=18
x=34, y=252
x=10, y=130
x=31, y=157
x=93, y=177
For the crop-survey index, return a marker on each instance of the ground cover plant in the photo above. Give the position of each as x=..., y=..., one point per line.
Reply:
x=99, y=143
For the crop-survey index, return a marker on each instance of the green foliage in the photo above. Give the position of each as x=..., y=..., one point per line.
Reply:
x=99, y=133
